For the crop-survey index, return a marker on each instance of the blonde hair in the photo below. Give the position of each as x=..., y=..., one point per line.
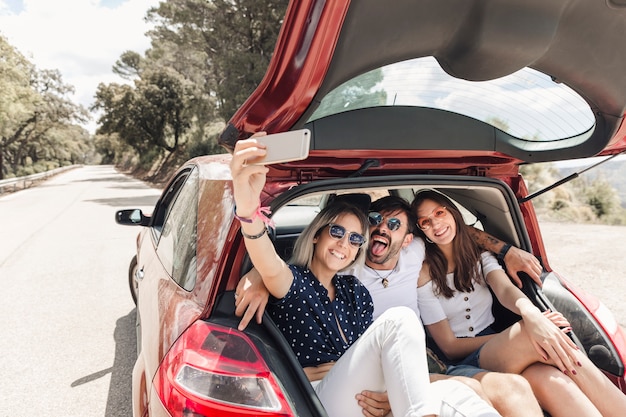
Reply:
x=304, y=248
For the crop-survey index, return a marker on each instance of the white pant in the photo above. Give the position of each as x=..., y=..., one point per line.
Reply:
x=391, y=356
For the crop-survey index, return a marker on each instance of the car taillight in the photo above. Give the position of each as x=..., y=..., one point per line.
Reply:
x=216, y=370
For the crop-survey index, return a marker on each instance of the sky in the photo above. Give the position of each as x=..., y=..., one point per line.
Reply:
x=80, y=38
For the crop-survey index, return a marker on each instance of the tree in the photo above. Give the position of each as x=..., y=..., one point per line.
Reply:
x=128, y=66
x=206, y=57
x=32, y=105
x=17, y=99
x=222, y=47
x=360, y=92
x=150, y=115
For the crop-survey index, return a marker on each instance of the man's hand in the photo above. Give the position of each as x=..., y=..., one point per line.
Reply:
x=518, y=260
x=250, y=298
x=374, y=404
x=317, y=373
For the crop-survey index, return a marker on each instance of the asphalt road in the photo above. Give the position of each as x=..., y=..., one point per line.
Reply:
x=66, y=316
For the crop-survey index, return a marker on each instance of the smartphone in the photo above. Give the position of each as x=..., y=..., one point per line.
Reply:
x=285, y=147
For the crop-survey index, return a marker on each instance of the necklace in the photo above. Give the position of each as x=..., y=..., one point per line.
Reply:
x=384, y=279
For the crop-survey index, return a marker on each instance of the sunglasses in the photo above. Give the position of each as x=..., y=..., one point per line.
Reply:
x=425, y=222
x=338, y=232
x=376, y=218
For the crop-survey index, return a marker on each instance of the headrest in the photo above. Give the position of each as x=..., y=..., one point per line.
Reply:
x=360, y=200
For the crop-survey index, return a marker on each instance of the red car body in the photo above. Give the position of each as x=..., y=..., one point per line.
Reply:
x=192, y=360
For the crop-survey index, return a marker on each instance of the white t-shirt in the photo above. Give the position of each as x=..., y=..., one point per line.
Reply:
x=402, y=283
x=468, y=313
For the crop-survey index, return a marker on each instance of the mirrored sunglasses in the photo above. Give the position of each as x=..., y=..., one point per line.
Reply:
x=425, y=222
x=376, y=218
x=338, y=232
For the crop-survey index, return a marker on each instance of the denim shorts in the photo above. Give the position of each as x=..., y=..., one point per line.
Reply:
x=469, y=366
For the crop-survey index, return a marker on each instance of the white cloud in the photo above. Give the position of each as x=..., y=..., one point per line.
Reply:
x=80, y=38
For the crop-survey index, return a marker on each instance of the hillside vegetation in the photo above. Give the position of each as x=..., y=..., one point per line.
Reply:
x=596, y=196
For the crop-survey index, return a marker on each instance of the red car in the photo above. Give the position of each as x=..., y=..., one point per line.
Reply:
x=398, y=96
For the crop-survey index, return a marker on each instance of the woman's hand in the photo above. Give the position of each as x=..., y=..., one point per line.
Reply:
x=550, y=342
x=374, y=404
x=559, y=320
x=248, y=180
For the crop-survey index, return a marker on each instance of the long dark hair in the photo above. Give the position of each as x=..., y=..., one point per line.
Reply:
x=466, y=251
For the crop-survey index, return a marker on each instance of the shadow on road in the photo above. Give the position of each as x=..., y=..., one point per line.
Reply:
x=131, y=202
x=119, y=401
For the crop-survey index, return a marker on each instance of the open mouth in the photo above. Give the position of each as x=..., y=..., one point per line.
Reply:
x=440, y=232
x=378, y=245
x=338, y=255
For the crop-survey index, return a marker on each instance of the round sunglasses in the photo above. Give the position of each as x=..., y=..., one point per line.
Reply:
x=425, y=222
x=376, y=218
x=338, y=232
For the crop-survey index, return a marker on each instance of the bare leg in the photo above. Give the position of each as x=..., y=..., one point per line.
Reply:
x=557, y=393
x=510, y=394
x=511, y=351
x=474, y=384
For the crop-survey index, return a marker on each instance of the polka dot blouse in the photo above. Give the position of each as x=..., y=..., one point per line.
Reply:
x=309, y=319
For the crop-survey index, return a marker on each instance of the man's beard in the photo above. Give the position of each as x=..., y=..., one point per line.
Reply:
x=392, y=250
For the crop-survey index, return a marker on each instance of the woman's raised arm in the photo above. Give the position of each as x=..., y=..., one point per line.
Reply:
x=248, y=181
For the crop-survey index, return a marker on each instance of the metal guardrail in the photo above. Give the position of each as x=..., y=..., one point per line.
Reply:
x=14, y=184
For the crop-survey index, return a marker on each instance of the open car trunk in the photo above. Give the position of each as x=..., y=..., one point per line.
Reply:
x=487, y=204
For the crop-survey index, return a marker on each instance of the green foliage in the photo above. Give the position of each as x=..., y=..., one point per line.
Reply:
x=151, y=115
x=129, y=65
x=222, y=47
x=38, y=122
x=201, y=146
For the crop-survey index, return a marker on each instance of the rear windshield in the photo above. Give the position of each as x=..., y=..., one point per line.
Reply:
x=527, y=104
